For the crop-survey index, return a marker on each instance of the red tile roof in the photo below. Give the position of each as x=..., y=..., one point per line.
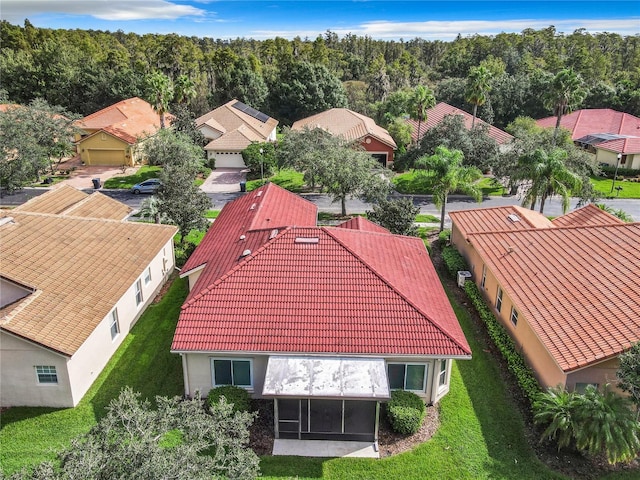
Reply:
x=510, y=217
x=361, y=223
x=588, y=215
x=311, y=289
x=436, y=114
x=577, y=287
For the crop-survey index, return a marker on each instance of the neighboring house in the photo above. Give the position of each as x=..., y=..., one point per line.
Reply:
x=353, y=127
x=606, y=133
x=324, y=320
x=566, y=290
x=231, y=128
x=111, y=136
x=441, y=110
x=74, y=278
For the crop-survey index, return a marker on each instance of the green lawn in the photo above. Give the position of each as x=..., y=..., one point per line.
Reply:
x=144, y=173
x=212, y=214
x=286, y=178
x=426, y=218
x=628, y=189
x=31, y=435
x=413, y=183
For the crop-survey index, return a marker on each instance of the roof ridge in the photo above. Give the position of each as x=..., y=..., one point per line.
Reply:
x=391, y=285
x=556, y=228
x=75, y=205
x=94, y=219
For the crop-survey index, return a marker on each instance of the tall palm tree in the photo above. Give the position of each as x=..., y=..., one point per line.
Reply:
x=478, y=86
x=184, y=89
x=160, y=94
x=446, y=174
x=549, y=175
x=566, y=92
x=422, y=99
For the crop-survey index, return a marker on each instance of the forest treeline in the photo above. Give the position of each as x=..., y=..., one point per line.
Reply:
x=86, y=70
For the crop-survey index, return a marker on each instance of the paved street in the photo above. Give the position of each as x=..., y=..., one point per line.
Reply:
x=218, y=200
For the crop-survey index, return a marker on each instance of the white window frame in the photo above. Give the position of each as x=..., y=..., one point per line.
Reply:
x=114, y=321
x=499, y=299
x=514, y=317
x=484, y=277
x=442, y=374
x=404, y=381
x=229, y=359
x=147, y=276
x=46, y=370
x=139, y=297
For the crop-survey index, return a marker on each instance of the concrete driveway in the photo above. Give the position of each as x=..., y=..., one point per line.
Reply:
x=224, y=180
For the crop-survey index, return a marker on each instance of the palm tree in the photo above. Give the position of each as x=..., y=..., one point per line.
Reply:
x=565, y=94
x=422, y=99
x=184, y=89
x=160, y=94
x=446, y=174
x=549, y=175
x=555, y=408
x=477, y=88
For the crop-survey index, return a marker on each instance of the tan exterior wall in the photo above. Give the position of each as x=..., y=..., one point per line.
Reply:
x=602, y=373
x=18, y=379
x=209, y=133
x=18, y=357
x=103, y=142
x=193, y=278
x=611, y=158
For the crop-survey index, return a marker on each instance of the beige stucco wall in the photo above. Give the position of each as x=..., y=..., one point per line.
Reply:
x=611, y=158
x=18, y=357
x=602, y=373
x=106, y=142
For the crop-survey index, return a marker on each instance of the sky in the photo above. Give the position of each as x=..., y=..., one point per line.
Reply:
x=384, y=20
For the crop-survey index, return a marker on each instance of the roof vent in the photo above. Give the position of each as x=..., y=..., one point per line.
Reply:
x=242, y=237
x=310, y=240
x=245, y=253
x=513, y=218
x=259, y=193
x=5, y=220
x=274, y=232
x=252, y=207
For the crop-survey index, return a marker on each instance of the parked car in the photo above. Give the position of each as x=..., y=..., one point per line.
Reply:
x=148, y=186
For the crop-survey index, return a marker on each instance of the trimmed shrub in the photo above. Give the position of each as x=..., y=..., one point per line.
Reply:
x=453, y=260
x=505, y=344
x=445, y=236
x=237, y=396
x=622, y=172
x=406, y=412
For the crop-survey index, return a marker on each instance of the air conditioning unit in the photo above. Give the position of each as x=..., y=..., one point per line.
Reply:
x=463, y=275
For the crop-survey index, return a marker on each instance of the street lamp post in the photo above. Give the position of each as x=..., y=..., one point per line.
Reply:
x=261, y=167
x=615, y=174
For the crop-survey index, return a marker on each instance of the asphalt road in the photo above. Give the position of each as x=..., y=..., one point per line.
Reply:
x=553, y=207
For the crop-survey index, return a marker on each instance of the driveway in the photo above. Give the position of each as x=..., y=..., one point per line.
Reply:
x=82, y=175
x=224, y=180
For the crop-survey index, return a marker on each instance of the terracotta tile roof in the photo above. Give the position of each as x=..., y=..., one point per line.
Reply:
x=69, y=201
x=80, y=268
x=350, y=125
x=577, y=287
x=510, y=217
x=227, y=118
x=322, y=290
x=586, y=122
x=246, y=224
x=128, y=120
x=436, y=114
x=235, y=140
x=363, y=224
x=586, y=216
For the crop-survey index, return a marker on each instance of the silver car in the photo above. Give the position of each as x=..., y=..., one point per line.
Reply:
x=148, y=186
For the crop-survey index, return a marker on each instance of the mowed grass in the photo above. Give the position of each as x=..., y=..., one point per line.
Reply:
x=145, y=172
x=414, y=182
x=627, y=189
x=285, y=178
x=481, y=435
x=29, y=436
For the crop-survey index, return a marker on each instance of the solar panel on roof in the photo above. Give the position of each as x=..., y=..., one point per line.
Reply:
x=251, y=111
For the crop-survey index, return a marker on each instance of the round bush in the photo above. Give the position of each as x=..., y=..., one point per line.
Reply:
x=239, y=397
x=405, y=411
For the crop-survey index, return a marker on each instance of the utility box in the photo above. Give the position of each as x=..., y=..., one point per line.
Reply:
x=463, y=276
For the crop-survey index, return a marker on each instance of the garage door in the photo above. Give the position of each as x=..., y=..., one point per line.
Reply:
x=106, y=157
x=229, y=160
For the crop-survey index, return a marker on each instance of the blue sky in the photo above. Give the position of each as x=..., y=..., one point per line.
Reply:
x=441, y=20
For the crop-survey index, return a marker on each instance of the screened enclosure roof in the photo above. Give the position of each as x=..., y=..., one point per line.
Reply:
x=329, y=377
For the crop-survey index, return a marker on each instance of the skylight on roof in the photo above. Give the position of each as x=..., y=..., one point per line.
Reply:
x=513, y=217
x=251, y=112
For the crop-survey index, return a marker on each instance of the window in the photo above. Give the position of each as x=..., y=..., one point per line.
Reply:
x=232, y=372
x=582, y=387
x=138, y=292
x=484, y=276
x=442, y=376
x=46, y=374
x=147, y=276
x=407, y=376
x=114, y=325
x=499, y=299
x=514, y=316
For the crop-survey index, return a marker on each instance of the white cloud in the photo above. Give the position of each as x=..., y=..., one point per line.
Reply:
x=15, y=11
x=441, y=30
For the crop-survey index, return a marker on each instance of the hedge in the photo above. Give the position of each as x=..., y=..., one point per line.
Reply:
x=239, y=397
x=622, y=172
x=405, y=411
x=453, y=260
x=505, y=344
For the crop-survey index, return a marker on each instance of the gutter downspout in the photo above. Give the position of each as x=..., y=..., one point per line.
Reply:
x=185, y=374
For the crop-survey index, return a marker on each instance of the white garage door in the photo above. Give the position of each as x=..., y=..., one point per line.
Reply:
x=229, y=160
